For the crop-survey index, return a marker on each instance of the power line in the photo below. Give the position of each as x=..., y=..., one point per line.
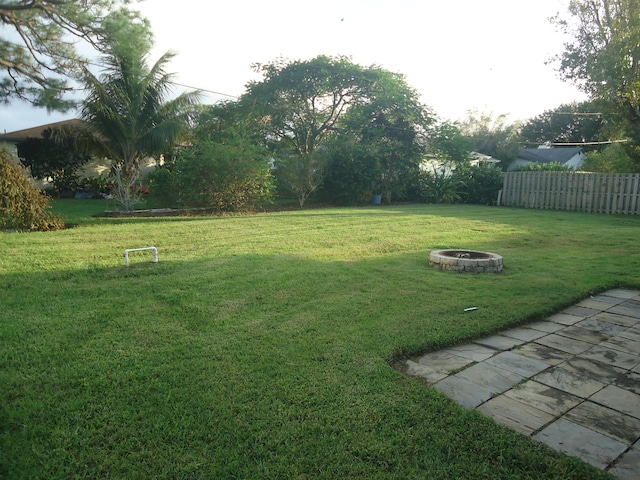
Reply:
x=580, y=114
x=206, y=90
x=576, y=144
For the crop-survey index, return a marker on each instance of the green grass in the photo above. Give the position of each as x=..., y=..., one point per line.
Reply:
x=263, y=346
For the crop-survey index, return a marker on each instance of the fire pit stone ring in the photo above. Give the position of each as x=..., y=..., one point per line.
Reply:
x=465, y=261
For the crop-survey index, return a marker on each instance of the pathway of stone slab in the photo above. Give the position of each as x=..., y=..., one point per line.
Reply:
x=571, y=381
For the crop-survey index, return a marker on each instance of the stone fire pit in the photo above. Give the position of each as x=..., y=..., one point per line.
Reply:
x=466, y=261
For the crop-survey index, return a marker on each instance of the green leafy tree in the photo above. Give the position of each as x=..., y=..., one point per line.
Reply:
x=23, y=206
x=577, y=122
x=612, y=159
x=127, y=108
x=479, y=184
x=301, y=104
x=543, y=167
x=223, y=167
x=353, y=172
x=447, y=143
x=393, y=143
x=603, y=56
x=490, y=135
x=222, y=176
x=223, y=122
x=39, y=56
x=392, y=127
x=55, y=157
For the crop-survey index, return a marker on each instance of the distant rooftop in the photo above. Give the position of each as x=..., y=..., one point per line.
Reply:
x=36, y=132
x=549, y=155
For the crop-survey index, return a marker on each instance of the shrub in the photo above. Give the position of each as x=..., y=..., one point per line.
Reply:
x=22, y=205
x=542, y=167
x=481, y=183
x=222, y=177
x=352, y=175
x=439, y=186
x=97, y=186
x=613, y=159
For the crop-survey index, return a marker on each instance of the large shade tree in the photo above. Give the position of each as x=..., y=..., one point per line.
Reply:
x=574, y=123
x=492, y=135
x=302, y=104
x=602, y=57
x=393, y=125
x=38, y=53
x=127, y=108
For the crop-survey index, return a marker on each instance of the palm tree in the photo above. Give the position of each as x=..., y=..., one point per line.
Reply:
x=129, y=115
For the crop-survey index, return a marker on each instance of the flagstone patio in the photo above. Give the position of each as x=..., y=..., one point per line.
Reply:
x=571, y=381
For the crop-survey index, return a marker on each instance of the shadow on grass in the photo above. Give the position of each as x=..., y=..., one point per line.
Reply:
x=235, y=366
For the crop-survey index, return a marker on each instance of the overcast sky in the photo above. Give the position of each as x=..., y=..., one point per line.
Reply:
x=459, y=54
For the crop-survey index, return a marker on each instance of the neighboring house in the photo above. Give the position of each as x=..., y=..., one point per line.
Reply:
x=569, y=157
x=10, y=140
x=433, y=165
x=94, y=168
x=477, y=159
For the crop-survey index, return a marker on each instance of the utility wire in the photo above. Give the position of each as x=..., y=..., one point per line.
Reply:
x=576, y=144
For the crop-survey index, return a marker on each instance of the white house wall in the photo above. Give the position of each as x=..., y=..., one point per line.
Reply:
x=576, y=161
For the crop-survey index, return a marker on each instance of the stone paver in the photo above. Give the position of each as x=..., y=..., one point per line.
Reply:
x=416, y=369
x=619, y=399
x=629, y=381
x=571, y=381
x=627, y=467
x=526, y=334
x=546, y=354
x=495, y=379
x=544, y=326
x=622, y=293
x=517, y=364
x=583, y=334
x=564, y=344
x=607, y=421
x=623, y=344
x=580, y=311
x=443, y=361
x=593, y=369
x=578, y=441
x=543, y=397
x=464, y=392
x=612, y=357
x=628, y=311
x=499, y=342
x=565, y=319
x=631, y=333
x=474, y=352
x=599, y=303
x=517, y=415
x=609, y=320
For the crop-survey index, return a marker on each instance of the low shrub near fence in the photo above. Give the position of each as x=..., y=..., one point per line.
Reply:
x=580, y=191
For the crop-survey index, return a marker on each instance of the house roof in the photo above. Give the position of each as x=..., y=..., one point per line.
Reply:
x=36, y=132
x=548, y=155
x=477, y=158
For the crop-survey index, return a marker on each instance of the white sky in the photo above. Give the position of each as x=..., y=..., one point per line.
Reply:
x=459, y=54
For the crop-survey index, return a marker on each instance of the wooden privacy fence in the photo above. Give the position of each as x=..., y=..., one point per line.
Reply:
x=585, y=192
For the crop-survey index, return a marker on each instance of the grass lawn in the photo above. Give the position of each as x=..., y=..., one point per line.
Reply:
x=262, y=346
